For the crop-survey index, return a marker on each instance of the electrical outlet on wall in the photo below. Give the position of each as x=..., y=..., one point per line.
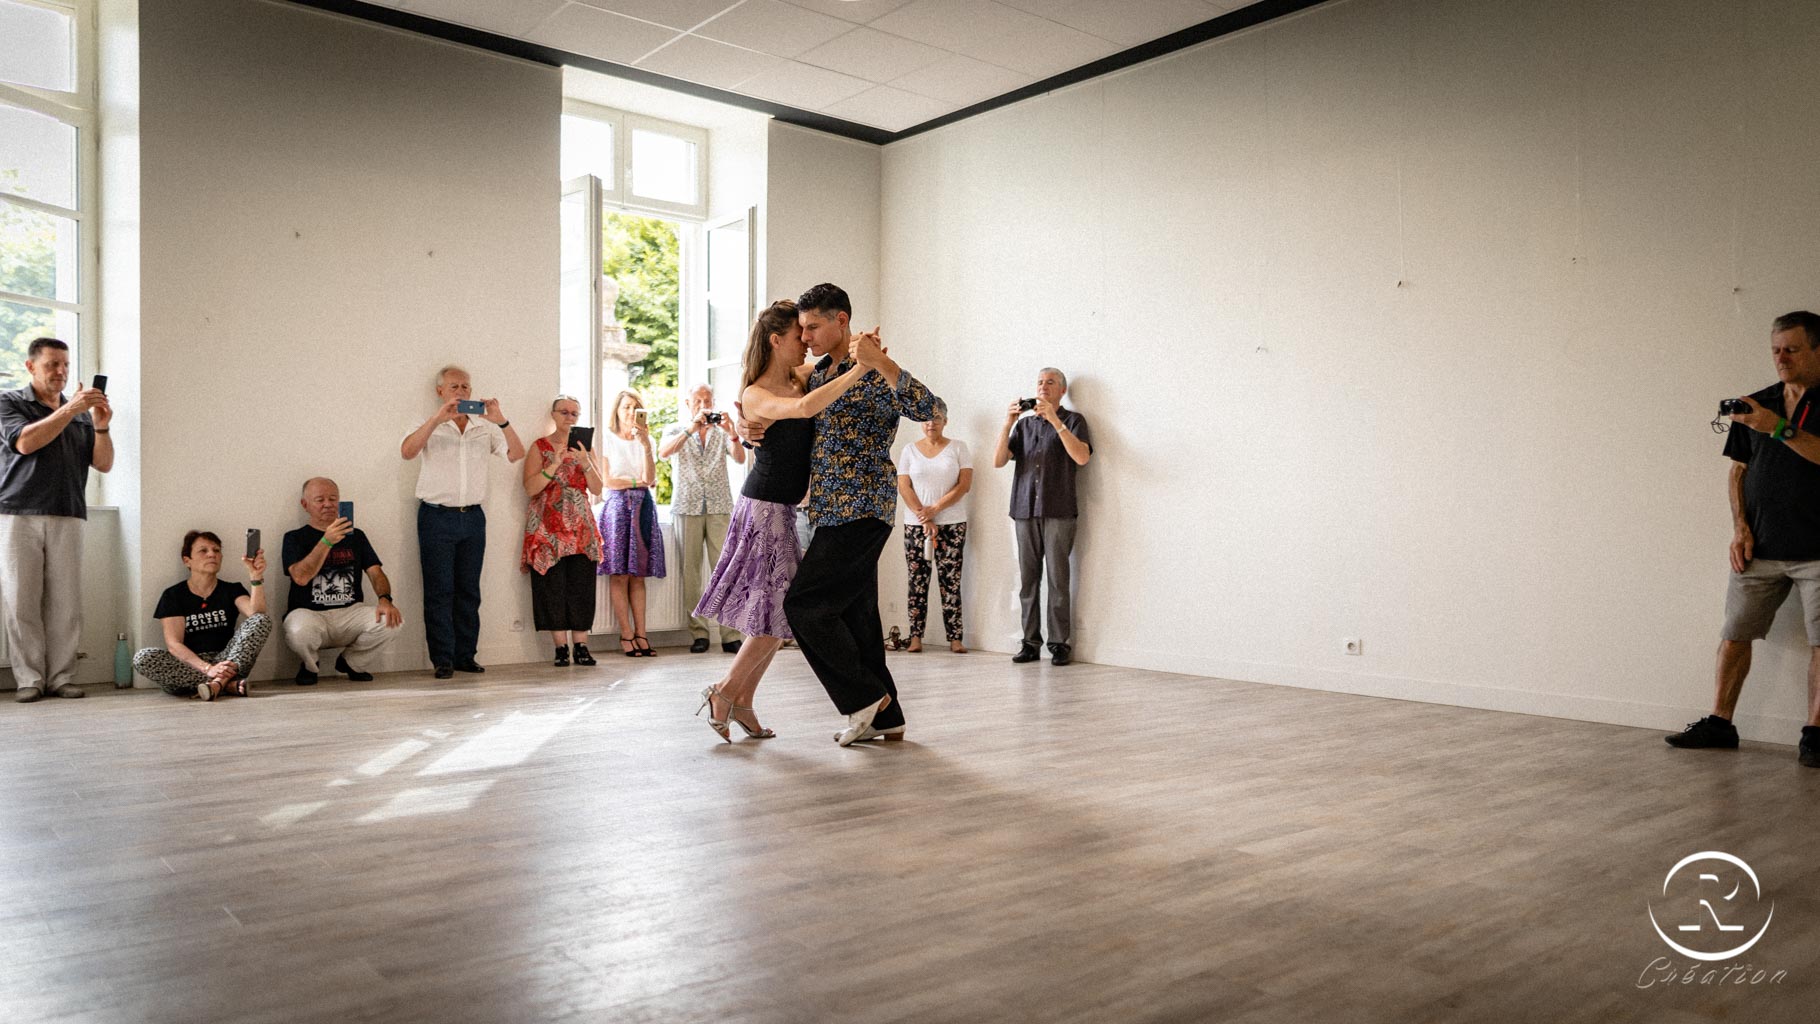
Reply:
x=1352, y=645
x=518, y=625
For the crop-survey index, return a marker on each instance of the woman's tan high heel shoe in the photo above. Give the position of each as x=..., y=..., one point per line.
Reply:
x=708, y=696
x=753, y=729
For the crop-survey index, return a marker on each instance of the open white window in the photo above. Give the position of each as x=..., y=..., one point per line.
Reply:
x=48, y=255
x=644, y=164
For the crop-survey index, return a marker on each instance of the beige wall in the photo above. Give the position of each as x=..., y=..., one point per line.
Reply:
x=1399, y=320
x=330, y=212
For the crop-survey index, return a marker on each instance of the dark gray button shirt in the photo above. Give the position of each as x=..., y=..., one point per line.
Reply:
x=49, y=481
x=1042, y=485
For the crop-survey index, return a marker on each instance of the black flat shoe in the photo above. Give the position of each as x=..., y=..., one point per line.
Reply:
x=305, y=677
x=469, y=666
x=444, y=672
x=1060, y=654
x=642, y=646
x=582, y=657
x=1027, y=653
x=562, y=657
x=731, y=646
x=700, y=646
x=342, y=666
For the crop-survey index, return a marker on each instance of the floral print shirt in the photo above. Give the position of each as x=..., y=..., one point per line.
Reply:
x=853, y=476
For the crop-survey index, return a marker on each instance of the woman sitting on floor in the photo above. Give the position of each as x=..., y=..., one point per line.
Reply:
x=205, y=656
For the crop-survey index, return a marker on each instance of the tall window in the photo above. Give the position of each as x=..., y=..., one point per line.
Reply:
x=635, y=193
x=47, y=180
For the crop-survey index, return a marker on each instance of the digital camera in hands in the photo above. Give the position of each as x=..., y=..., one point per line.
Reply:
x=712, y=418
x=1026, y=405
x=1733, y=407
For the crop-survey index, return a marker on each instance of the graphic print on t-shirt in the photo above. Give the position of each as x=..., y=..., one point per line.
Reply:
x=334, y=586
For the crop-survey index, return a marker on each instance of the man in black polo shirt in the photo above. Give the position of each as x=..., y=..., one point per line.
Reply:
x=1048, y=448
x=1775, y=497
x=47, y=447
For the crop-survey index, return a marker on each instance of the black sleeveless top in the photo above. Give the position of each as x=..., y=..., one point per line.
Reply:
x=780, y=466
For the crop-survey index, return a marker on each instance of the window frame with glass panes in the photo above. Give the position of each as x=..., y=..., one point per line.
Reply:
x=47, y=89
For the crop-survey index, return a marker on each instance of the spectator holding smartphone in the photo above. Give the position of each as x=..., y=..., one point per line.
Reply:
x=1048, y=447
x=561, y=543
x=632, y=544
x=47, y=446
x=204, y=656
x=456, y=445
x=325, y=560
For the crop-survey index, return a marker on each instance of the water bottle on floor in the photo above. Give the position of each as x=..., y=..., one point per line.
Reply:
x=123, y=664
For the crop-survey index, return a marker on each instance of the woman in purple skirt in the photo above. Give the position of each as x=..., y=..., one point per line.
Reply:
x=759, y=559
x=631, y=545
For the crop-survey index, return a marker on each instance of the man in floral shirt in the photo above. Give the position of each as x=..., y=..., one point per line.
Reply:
x=833, y=603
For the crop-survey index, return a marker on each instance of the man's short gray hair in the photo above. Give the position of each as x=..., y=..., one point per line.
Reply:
x=451, y=368
x=941, y=409
x=1058, y=373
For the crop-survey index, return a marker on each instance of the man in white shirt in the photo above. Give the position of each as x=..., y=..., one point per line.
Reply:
x=703, y=501
x=451, y=525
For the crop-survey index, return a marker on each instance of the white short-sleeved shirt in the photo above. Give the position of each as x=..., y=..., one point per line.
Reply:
x=930, y=478
x=625, y=456
x=455, y=462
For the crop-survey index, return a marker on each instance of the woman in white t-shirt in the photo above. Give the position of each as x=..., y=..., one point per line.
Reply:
x=934, y=474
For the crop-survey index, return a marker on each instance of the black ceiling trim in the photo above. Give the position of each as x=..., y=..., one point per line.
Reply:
x=1225, y=24
x=554, y=57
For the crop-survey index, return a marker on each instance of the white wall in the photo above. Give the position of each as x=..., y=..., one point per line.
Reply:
x=1399, y=320
x=331, y=211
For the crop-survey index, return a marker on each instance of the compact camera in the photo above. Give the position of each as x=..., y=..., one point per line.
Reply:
x=1733, y=407
x=713, y=418
x=1026, y=404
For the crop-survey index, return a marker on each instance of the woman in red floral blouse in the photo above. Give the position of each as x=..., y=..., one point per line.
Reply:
x=562, y=543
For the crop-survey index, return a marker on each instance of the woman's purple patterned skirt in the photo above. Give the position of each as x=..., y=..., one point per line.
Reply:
x=756, y=566
x=631, y=544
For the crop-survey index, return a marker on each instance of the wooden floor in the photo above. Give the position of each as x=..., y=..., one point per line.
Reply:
x=1073, y=845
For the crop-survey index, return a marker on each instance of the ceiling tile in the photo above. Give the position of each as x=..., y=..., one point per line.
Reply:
x=962, y=81
x=990, y=31
x=710, y=63
x=506, y=17
x=802, y=86
x=772, y=26
x=1128, y=24
x=873, y=55
x=597, y=33
x=673, y=13
x=891, y=109
x=857, y=11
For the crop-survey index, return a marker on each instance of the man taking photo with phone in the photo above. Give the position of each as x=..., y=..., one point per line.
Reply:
x=47, y=446
x=325, y=560
x=1048, y=447
x=455, y=445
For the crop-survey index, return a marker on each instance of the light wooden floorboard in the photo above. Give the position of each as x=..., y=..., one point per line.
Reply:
x=1085, y=844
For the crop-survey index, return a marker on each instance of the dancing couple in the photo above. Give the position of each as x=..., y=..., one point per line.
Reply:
x=827, y=429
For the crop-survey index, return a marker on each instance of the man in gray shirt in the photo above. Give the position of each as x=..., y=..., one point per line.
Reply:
x=47, y=445
x=1048, y=448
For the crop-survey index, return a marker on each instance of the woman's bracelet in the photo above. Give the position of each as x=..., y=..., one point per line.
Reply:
x=546, y=474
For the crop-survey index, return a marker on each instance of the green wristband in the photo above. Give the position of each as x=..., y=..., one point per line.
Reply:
x=326, y=542
x=1781, y=424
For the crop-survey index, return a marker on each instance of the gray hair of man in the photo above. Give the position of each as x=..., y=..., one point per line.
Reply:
x=1059, y=375
x=696, y=391
x=941, y=410
x=442, y=374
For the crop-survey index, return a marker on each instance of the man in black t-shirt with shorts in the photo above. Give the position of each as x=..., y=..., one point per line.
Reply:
x=325, y=561
x=1775, y=499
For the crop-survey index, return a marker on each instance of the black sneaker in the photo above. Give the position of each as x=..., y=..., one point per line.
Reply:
x=1711, y=731
x=1027, y=653
x=305, y=677
x=342, y=666
x=1060, y=654
x=1808, y=753
x=700, y=646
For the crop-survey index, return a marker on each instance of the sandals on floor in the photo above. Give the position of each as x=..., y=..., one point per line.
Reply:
x=641, y=646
